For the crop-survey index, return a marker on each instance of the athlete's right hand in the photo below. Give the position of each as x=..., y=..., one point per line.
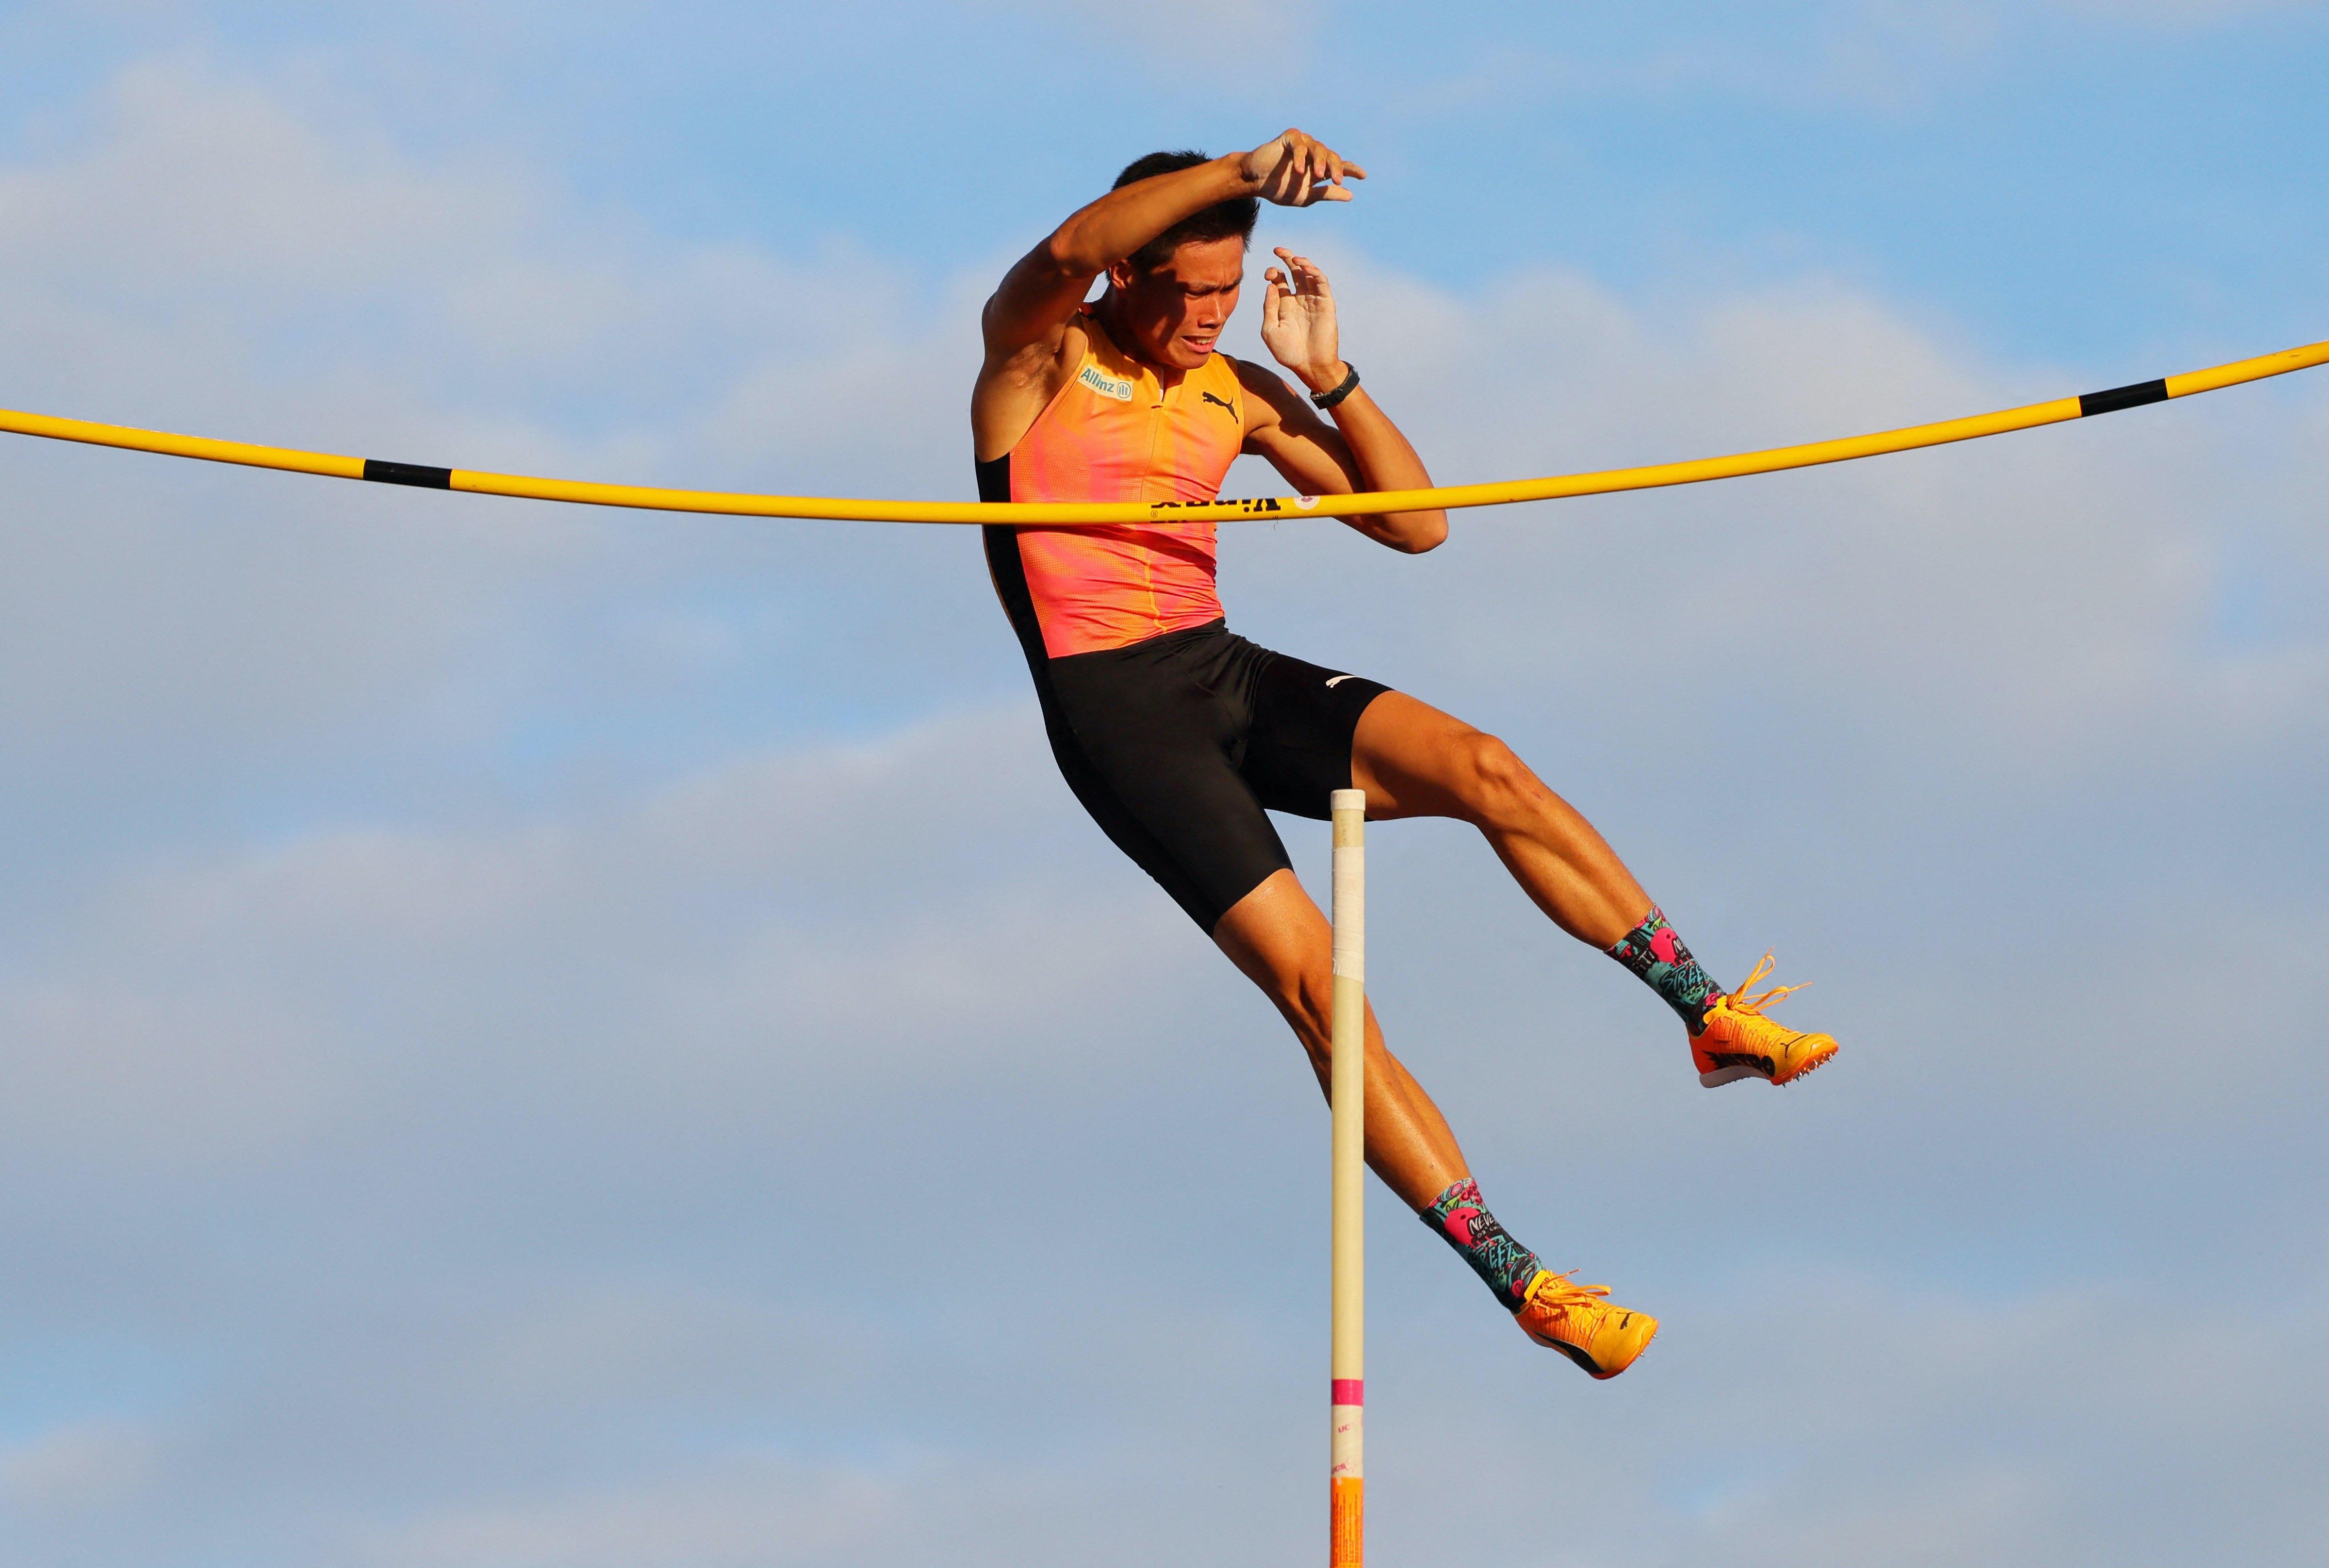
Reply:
x=1295, y=169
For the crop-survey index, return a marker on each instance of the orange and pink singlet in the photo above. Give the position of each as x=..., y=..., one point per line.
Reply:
x=1176, y=735
x=1115, y=432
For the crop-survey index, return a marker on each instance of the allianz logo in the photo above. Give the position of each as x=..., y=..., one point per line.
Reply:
x=1106, y=386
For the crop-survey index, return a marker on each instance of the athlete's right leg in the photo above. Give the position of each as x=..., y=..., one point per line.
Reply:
x=1282, y=942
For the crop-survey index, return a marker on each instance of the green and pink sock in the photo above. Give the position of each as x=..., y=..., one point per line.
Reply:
x=1503, y=1265
x=1653, y=950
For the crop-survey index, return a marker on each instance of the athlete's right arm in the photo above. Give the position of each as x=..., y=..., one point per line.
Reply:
x=1026, y=324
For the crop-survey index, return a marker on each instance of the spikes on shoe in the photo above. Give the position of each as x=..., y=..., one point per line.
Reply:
x=1738, y=1041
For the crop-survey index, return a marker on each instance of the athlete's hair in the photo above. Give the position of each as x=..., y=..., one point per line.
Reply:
x=1219, y=222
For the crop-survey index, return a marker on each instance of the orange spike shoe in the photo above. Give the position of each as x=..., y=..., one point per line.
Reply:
x=1739, y=1042
x=1580, y=1321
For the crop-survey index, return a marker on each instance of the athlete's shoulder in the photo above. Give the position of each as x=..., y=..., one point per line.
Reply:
x=1011, y=394
x=1258, y=379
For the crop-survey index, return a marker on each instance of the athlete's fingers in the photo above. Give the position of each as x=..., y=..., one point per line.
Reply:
x=1322, y=162
x=1297, y=152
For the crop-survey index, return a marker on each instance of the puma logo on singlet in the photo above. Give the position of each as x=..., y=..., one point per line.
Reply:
x=1106, y=385
x=1223, y=402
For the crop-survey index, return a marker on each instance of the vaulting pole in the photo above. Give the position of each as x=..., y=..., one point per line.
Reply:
x=1347, y=1087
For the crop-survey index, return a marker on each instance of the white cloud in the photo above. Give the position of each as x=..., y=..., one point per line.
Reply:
x=1824, y=1419
x=76, y=1467
x=171, y=1072
x=2036, y=602
x=220, y=256
x=2183, y=14
x=753, y=941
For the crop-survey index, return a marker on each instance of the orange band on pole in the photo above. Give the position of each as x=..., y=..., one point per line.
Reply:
x=1348, y=1545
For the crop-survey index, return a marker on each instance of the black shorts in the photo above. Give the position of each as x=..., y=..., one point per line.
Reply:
x=1179, y=746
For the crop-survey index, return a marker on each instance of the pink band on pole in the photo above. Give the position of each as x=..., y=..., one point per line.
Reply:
x=1350, y=1391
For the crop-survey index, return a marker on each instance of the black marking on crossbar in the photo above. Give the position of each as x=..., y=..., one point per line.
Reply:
x=2117, y=398
x=419, y=474
x=1255, y=506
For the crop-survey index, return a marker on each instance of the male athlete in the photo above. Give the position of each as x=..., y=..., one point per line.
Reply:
x=1179, y=736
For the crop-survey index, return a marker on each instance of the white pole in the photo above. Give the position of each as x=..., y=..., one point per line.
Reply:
x=1347, y=1091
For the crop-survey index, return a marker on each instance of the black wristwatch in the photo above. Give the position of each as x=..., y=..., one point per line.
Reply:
x=1328, y=399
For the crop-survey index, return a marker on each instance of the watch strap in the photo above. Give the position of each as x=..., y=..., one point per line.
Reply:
x=1349, y=385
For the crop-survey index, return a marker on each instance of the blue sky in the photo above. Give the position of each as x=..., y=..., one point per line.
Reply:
x=2049, y=175
x=559, y=1039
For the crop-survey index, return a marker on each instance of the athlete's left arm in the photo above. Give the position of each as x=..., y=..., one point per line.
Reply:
x=1363, y=449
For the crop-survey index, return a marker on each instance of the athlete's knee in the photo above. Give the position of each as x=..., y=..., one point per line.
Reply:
x=1492, y=780
x=1297, y=982
x=1308, y=1003
x=1305, y=995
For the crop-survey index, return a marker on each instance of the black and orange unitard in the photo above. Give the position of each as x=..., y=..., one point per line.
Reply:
x=1178, y=736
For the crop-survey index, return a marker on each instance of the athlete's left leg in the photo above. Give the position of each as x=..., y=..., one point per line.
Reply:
x=1413, y=760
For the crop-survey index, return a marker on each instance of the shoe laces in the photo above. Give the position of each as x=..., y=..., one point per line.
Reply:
x=1739, y=1002
x=1554, y=1290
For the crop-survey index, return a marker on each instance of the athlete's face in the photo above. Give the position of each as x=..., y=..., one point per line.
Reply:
x=1174, y=315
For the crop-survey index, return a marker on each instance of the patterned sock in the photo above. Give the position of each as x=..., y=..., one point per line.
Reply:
x=1653, y=951
x=1503, y=1265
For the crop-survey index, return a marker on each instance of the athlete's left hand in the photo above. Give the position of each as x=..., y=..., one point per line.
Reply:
x=1297, y=322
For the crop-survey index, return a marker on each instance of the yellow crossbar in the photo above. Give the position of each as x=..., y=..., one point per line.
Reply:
x=1100, y=514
